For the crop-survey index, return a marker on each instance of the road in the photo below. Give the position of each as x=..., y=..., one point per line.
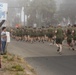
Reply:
x=45, y=59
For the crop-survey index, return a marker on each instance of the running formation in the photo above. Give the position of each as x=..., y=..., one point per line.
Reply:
x=54, y=35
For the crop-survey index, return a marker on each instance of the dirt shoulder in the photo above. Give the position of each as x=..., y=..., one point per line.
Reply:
x=15, y=65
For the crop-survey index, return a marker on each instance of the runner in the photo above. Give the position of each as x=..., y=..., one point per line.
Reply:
x=59, y=38
x=74, y=35
x=70, y=38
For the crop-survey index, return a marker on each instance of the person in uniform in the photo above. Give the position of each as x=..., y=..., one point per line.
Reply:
x=74, y=35
x=70, y=38
x=32, y=35
x=25, y=34
x=40, y=35
x=35, y=34
x=17, y=34
x=59, y=38
x=51, y=35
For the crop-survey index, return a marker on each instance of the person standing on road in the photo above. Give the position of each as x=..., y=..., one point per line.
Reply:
x=3, y=40
x=8, y=40
x=59, y=38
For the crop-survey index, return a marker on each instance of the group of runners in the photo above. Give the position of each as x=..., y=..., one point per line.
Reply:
x=54, y=35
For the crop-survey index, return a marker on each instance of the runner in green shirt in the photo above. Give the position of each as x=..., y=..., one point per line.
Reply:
x=70, y=38
x=59, y=38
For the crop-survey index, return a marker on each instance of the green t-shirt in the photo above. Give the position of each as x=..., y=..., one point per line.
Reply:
x=59, y=33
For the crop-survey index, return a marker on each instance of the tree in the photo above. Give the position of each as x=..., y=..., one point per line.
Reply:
x=41, y=12
x=68, y=10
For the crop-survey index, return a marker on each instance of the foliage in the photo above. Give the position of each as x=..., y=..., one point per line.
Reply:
x=17, y=68
x=68, y=10
x=15, y=65
x=41, y=12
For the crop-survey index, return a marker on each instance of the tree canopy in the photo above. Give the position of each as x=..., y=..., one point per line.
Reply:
x=41, y=12
x=68, y=10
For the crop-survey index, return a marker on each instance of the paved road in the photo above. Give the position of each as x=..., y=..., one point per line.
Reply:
x=45, y=59
x=64, y=65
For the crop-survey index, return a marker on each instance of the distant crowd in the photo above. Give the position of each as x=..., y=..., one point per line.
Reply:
x=54, y=35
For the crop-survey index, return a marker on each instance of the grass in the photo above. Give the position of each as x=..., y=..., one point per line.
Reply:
x=20, y=74
x=5, y=57
x=15, y=65
x=11, y=59
x=17, y=68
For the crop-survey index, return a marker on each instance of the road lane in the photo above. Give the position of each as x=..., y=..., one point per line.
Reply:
x=45, y=59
